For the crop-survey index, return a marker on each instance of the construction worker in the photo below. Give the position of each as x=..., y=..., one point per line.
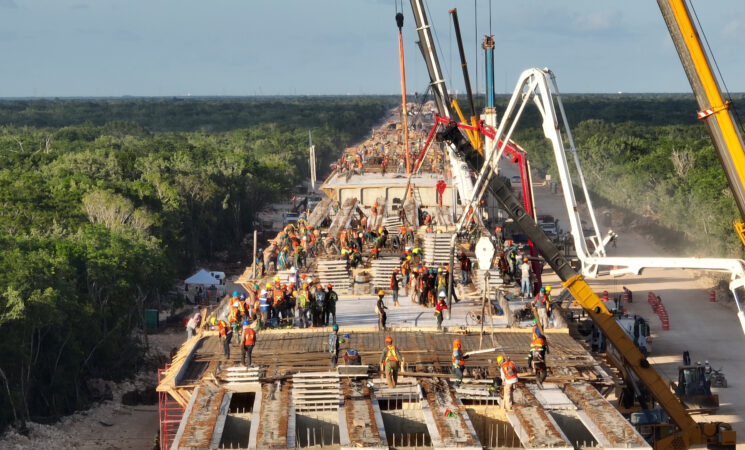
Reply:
x=226, y=334
x=329, y=306
x=508, y=372
x=394, y=286
x=541, y=303
x=380, y=310
x=319, y=300
x=192, y=324
x=458, y=358
x=390, y=362
x=334, y=341
x=249, y=340
x=303, y=302
x=537, y=357
x=465, y=268
x=525, y=272
x=441, y=306
x=264, y=307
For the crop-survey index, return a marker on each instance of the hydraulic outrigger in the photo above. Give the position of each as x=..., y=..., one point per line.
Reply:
x=689, y=432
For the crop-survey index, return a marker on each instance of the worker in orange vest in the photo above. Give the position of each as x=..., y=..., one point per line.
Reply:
x=390, y=362
x=249, y=340
x=508, y=372
x=226, y=334
x=458, y=359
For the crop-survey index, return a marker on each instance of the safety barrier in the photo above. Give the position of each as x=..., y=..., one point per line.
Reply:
x=712, y=295
x=656, y=303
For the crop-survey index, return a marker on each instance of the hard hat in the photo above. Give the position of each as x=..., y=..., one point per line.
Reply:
x=500, y=358
x=388, y=340
x=236, y=304
x=242, y=296
x=246, y=323
x=263, y=292
x=235, y=293
x=269, y=285
x=543, y=289
x=276, y=278
x=213, y=320
x=548, y=288
x=305, y=285
x=335, y=327
x=439, y=270
x=442, y=294
x=303, y=276
x=535, y=321
x=329, y=286
x=381, y=292
x=294, y=293
x=525, y=258
x=456, y=343
x=256, y=286
x=408, y=257
x=395, y=270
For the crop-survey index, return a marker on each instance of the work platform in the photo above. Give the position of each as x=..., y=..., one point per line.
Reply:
x=293, y=398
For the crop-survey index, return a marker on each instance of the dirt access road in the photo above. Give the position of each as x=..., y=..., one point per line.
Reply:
x=709, y=331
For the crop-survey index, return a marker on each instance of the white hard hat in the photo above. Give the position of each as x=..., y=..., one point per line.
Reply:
x=263, y=292
x=442, y=294
x=236, y=304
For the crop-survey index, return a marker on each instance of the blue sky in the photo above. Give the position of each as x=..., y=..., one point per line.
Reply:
x=275, y=47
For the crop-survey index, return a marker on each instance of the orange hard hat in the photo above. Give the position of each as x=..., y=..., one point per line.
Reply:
x=456, y=343
x=388, y=340
x=381, y=292
x=329, y=286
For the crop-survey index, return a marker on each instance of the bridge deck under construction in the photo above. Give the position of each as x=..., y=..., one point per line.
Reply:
x=299, y=400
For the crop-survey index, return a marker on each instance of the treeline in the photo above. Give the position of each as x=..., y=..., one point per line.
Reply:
x=665, y=174
x=100, y=215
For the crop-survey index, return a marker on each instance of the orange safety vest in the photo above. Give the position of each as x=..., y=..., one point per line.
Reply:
x=233, y=316
x=249, y=337
x=458, y=362
x=392, y=354
x=222, y=327
x=507, y=375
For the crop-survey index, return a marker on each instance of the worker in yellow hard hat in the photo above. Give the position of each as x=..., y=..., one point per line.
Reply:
x=380, y=310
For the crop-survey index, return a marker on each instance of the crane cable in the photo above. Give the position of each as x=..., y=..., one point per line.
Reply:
x=716, y=65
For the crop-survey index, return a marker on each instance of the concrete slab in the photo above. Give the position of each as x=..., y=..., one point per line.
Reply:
x=551, y=396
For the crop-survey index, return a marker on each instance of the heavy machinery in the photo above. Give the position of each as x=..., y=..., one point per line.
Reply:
x=694, y=390
x=684, y=432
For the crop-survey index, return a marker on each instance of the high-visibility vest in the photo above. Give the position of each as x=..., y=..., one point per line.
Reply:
x=233, y=316
x=249, y=337
x=537, y=333
x=392, y=354
x=457, y=358
x=537, y=343
x=506, y=373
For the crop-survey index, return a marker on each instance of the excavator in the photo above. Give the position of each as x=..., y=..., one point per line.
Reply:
x=683, y=431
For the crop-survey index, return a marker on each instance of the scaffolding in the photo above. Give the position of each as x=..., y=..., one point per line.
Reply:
x=169, y=413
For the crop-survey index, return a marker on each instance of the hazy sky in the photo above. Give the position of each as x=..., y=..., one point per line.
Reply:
x=247, y=47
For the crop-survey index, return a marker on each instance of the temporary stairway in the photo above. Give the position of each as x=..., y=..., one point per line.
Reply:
x=320, y=212
x=343, y=217
x=392, y=223
x=334, y=271
x=382, y=268
x=316, y=391
x=437, y=249
x=494, y=279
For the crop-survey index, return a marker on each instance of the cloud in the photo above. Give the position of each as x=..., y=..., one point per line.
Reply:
x=732, y=29
x=10, y=4
x=596, y=21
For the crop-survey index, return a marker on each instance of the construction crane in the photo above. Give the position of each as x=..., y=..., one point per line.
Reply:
x=686, y=432
x=713, y=109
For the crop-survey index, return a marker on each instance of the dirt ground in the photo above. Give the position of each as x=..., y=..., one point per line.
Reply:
x=109, y=424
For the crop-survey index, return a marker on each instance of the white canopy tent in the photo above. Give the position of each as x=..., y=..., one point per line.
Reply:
x=201, y=282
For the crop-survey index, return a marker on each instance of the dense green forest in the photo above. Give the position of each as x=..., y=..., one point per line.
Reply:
x=651, y=157
x=106, y=202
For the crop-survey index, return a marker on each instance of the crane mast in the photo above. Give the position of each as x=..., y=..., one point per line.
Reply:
x=713, y=109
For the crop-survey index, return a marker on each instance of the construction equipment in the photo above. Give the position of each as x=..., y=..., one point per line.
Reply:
x=714, y=110
x=694, y=390
x=688, y=432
